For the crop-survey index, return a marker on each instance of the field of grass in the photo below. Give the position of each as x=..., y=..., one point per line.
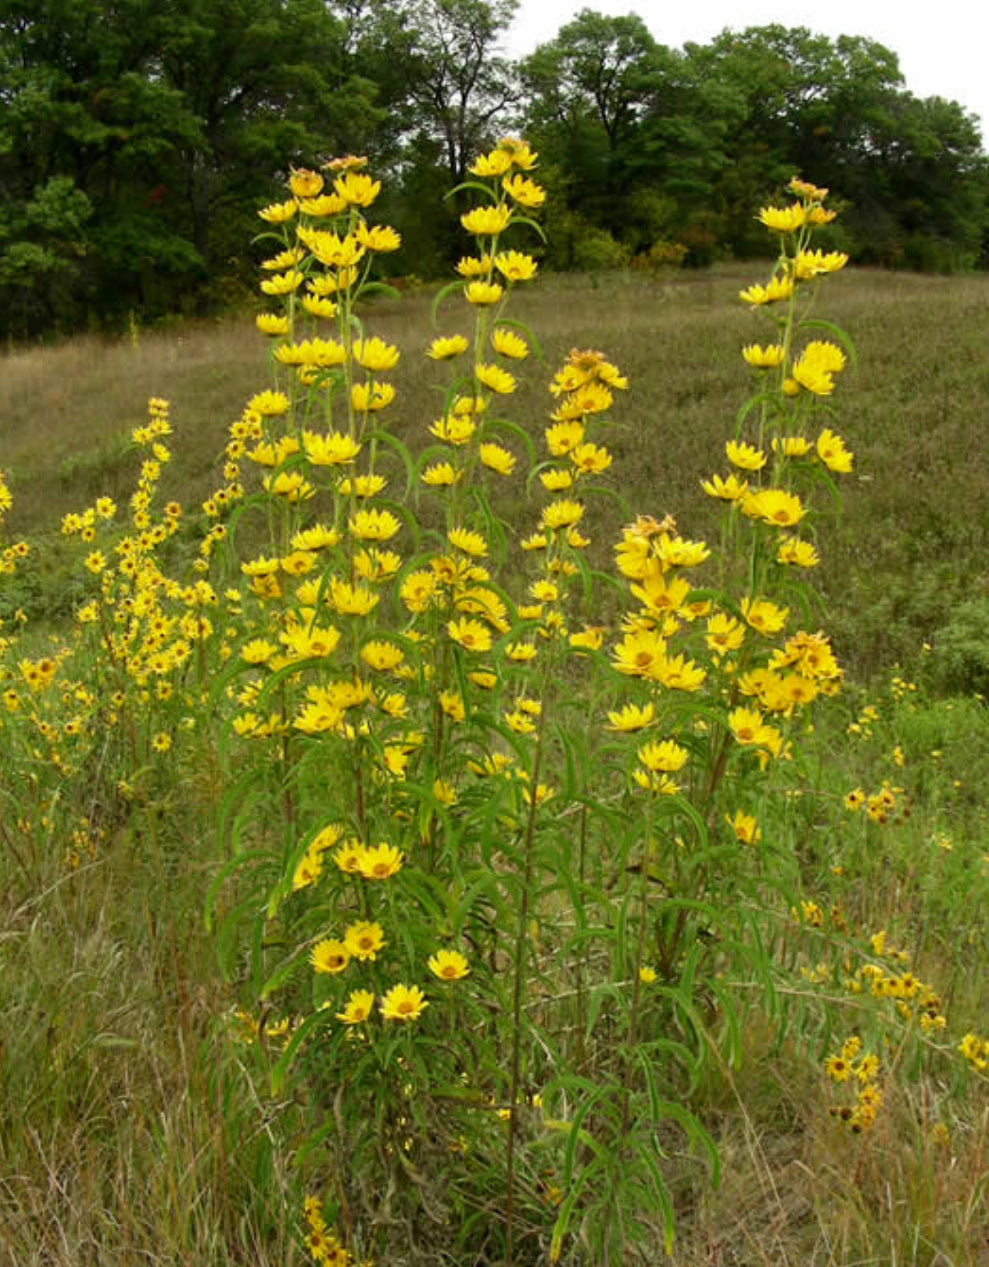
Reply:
x=133, y=1130
x=913, y=539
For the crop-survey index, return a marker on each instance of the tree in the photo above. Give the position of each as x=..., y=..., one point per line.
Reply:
x=169, y=118
x=459, y=85
x=599, y=71
x=613, y=111
x=81, y=128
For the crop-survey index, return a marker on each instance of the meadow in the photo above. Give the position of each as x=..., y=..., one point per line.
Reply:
x=789, y=996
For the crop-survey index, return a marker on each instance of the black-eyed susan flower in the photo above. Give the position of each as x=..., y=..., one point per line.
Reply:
x=837, y=1068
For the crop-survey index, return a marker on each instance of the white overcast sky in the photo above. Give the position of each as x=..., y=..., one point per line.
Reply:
x=943, y=47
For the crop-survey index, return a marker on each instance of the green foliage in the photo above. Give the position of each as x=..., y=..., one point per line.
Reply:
x=134, y=134
x=961, y=649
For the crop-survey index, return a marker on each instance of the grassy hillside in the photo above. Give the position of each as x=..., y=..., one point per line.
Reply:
x=913, y=538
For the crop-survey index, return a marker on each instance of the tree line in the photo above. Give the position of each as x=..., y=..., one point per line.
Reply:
x=138, y=136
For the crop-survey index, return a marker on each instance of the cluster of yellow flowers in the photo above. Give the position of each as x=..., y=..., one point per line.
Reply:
x=15, y=553
x=851, y=1067
x=976, y=1051
x=322, y=1242
x=315, y=620
x=888, y=805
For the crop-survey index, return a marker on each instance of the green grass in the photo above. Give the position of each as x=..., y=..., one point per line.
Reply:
x=126, y=1131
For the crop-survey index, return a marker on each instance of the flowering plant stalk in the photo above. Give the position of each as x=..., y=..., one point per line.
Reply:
x=494, y=1000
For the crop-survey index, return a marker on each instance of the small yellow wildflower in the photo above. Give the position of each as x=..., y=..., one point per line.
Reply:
x=403, y=1003
x=358, y=1007
x=487, y=221
x=329, y=956
x=448, y=965
x=443, y=349
x=509, y=344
